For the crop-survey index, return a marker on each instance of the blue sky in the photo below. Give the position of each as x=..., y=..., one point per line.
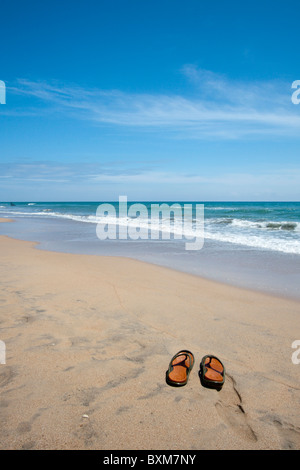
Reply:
x=160, y=100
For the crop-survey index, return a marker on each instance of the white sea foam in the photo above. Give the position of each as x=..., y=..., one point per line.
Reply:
x=254, y=241
x=252, y=224
x=248, y=233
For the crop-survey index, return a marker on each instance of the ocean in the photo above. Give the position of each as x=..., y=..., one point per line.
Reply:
x=248, y=244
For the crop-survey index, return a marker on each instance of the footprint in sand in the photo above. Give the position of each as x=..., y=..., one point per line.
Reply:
x=230, y=409
x=6, y=376
x=288, y=433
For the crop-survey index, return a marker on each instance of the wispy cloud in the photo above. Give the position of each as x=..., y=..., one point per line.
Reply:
x=108, y=181
x=217, y=108
x=47, y=171
x=81, y=171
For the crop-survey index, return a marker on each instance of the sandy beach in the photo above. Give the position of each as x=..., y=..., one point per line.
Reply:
x=89, y=339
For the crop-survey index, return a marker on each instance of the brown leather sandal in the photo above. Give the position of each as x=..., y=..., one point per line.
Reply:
x=179, y=368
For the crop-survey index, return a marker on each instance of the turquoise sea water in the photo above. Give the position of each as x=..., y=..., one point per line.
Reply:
x=271, y=226
x=253, y=245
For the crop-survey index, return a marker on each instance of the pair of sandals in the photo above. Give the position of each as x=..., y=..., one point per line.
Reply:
x=211, y=373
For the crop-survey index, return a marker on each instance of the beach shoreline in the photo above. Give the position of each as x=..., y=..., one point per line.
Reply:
x=89, y=339
x=39, y=245
x=268, y=272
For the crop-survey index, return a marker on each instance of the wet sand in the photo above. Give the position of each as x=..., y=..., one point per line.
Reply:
x=89, y=339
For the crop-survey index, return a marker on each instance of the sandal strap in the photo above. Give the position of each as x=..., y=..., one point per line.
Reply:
x=208, y=365
x=188, y=355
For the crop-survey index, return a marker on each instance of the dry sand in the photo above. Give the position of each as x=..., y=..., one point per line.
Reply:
x=88, y=340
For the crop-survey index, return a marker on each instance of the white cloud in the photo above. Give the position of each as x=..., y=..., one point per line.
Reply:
x=219, y=108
